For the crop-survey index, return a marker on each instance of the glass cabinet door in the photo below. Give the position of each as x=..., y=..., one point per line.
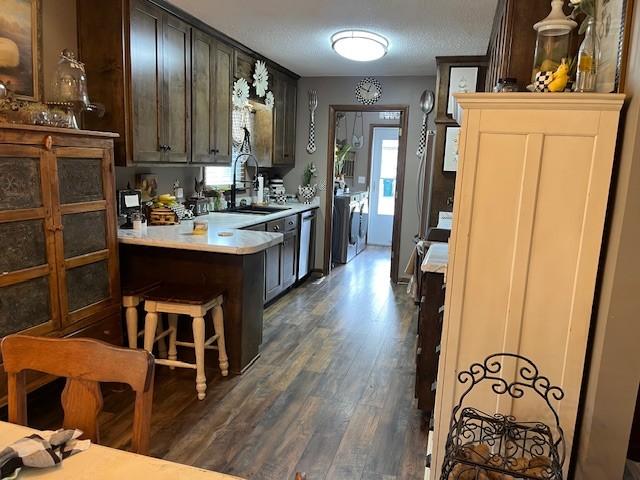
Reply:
x=85, y=239
x=28, y=280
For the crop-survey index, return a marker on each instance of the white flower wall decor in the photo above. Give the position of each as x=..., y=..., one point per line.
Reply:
x=269, y=100
x=260, y=78
x=240, y=93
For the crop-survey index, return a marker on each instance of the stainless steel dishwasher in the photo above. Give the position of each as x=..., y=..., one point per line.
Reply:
x=307, y=232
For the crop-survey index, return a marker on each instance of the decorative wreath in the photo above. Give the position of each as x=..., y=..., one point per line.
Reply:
x=240, y=93
x=269, y=100
x=260, y=78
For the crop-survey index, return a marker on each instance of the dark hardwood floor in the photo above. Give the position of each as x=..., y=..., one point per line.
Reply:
x=331, y=395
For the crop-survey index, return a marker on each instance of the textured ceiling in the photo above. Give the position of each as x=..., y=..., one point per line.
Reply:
x=295, y=33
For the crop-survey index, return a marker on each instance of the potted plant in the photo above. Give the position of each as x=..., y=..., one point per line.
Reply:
x=307, y=192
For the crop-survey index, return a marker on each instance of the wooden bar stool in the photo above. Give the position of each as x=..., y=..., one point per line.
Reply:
x=196, y=303
x=132, y=297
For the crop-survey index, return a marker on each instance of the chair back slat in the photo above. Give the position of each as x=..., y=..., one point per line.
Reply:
x=84, y=363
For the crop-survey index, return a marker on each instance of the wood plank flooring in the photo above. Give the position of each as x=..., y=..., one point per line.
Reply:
x=331, y=395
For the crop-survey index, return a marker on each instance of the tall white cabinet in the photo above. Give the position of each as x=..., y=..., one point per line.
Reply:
x=531, y=196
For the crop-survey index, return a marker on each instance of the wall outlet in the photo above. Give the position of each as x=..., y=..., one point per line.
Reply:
x=362, y=180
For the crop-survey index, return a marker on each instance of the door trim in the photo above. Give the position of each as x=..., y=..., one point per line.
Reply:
x=402, y=158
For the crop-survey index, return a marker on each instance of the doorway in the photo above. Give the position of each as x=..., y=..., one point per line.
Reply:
x=385, y=142
x=357, y=187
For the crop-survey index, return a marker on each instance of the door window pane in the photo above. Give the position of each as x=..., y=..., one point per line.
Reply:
x=387, y=185
x=80, y=180
x=19, y=183
x=87, y=285
x=84, y=233
x=24, y=305
x=23, y=245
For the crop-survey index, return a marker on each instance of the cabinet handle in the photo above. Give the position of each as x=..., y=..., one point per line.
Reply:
x=215, y=151
x=276, y=228
x=163, y=147
x=168, y=147
x=290, y=222
x=286, y=155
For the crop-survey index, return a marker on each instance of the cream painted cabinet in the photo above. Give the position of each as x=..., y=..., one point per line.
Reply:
x=530, y=203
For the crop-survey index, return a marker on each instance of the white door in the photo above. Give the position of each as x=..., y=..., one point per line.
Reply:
x=384, y=166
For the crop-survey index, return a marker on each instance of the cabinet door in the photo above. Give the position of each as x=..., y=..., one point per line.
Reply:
x=272, y=272
x=279, y=118
x=291, y=100
x=222, y=96
x=289, y=259
x=28, y=279
x=243, y=66
x=176, y=114
x=83, y=211
x=203, y=77
x=146, y=82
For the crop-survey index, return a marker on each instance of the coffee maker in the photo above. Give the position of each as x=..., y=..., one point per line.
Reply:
x=129, y=205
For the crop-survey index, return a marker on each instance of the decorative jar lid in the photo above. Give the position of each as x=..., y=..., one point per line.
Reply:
x=557, y=23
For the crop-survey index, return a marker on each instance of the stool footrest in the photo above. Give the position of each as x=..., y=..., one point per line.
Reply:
x=175, y=363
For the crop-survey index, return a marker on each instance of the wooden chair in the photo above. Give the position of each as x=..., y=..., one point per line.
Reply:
x=85, y=363
x=301, y=476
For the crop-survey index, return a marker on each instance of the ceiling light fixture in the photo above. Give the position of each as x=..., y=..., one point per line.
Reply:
x=359, y=45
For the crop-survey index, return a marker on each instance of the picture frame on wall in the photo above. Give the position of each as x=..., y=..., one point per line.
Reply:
x=613, y=22
x=21, y=48
x=451, y=149
x=461, y=80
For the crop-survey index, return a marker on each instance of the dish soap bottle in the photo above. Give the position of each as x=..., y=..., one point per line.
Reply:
x=587, y=71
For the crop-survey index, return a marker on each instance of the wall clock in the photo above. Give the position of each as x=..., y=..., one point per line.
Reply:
x=368, y=91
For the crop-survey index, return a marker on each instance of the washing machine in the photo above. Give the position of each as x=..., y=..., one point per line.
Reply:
x=346, y=227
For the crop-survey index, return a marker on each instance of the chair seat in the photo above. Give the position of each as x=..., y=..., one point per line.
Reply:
x=182, y=294
x=137, y=288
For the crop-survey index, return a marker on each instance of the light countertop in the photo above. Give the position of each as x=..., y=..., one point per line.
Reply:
x=239, y=242
x=437, y=258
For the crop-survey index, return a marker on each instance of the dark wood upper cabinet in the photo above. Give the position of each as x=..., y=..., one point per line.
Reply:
x=165, y=79
x=177, y=89
x=211, y=90
x=284, y=118
x=146, y=83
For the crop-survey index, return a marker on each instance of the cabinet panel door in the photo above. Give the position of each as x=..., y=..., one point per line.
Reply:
x=223, y=108
x=289, y=259
x=291, y=99
x=83, y=208
x=203, y=91
x=176, y=115
x=272, y=272
x=279, y=119
x=28, y=279
x=146, y=81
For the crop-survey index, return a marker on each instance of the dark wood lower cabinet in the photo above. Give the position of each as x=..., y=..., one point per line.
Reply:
x=431, y=313
x=289, y=259
x=273, y=284
x=281, y=261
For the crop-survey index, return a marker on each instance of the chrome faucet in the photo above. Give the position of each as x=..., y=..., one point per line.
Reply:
x=232, y=203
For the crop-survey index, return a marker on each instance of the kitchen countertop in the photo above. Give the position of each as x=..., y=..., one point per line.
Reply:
x=241, y=242
x=437, y=258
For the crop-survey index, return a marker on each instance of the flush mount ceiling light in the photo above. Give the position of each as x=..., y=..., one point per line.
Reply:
x=359, y=45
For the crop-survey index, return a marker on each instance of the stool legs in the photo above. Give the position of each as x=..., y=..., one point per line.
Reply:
x=131, y=314
x=198, y=343
x=173, y=325
x=162, y=346
x=218, y=325
x=150, y=327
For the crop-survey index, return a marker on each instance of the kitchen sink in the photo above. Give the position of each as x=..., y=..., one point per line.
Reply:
x=257, y=210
